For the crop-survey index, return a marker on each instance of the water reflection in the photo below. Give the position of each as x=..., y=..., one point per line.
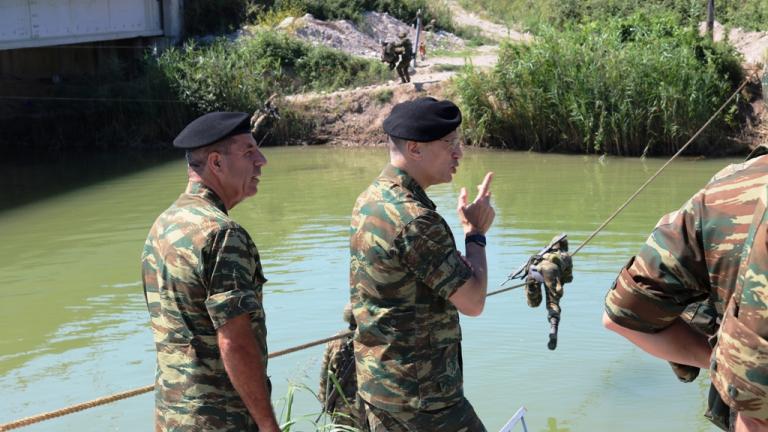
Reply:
x=73, y=324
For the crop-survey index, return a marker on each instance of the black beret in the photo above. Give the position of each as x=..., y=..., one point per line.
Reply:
x=424, y=119
x=212, y=127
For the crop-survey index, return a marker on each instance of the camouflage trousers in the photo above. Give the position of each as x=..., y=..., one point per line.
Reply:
x=457, y=418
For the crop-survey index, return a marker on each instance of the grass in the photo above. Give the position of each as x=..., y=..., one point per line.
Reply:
x=536, y=14
x=238, y=76
x=320, y=422
x=635, y=86
x=383, y=96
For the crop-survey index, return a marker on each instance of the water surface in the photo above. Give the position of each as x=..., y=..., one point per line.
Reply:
x=74, y=327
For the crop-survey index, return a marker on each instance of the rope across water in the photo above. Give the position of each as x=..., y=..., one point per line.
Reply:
x=141, y=390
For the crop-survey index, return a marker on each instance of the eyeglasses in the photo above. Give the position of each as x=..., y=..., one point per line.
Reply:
x=455, y=144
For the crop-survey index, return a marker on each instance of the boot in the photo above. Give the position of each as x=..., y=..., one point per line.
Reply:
x=552, y=344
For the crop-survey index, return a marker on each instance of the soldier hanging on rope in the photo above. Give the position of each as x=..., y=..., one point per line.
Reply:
x=552, y=267
x=338, y=372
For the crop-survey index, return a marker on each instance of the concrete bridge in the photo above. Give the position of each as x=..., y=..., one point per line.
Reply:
x=41, y=23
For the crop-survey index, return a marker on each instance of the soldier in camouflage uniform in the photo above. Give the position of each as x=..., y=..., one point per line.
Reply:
x=552, y=270
x=339, y=361
x=712, y=249
x=408, y=282
x=388, y=54
x=203, y=286
x=404, y=48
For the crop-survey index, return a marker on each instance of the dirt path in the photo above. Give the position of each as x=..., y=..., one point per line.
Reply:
x=489, y=29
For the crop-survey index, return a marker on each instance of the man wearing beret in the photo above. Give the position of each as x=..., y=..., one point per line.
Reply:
x=203, y=286
x=408, y=282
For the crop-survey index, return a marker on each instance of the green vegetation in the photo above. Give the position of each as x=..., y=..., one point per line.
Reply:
x=634, y=86
x=534, y=14
x=317, y=422
x=202, y=17
x=383, y=96
x=241, y=75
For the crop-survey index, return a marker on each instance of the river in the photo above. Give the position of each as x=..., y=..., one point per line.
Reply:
x=74, y=326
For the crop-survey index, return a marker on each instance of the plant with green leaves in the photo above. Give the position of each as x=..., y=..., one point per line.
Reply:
x=536, y=14
x=240, y=75
x=316, y=421
x=636, y=86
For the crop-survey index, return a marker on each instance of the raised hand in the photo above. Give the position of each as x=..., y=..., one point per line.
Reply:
x=477, y=216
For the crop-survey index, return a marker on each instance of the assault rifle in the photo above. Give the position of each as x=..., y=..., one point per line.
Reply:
x=522, y=272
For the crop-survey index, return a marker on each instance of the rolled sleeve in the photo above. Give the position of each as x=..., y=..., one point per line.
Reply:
x=233, y=280
x=668, y=274
x=429, y=252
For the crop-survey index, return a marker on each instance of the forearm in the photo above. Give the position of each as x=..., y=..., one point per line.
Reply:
x=242, y=361
x=476, y=257
x=677, y=343
x=469, y=299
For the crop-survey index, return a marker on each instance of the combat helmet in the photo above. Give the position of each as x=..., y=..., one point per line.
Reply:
x=402, y=35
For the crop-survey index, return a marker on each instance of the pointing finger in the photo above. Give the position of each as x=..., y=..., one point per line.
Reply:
x=484, y=187
x=463, y=197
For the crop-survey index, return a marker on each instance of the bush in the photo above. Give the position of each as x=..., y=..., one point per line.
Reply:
x=404, y=10
x=203, y=17
x=533, y=15
x=241, y=75
x=641, y=85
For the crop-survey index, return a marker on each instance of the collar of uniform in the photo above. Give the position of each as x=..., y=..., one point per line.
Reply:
x=200, y=190
x=402, y=178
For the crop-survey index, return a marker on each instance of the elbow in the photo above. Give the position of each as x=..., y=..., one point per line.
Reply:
x=474, y=309
x=609, y=324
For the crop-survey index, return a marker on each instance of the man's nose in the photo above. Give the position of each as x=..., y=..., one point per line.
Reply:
x=458, y=152
x=260, y=159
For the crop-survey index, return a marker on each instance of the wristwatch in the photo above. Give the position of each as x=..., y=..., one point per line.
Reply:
x=477, y=239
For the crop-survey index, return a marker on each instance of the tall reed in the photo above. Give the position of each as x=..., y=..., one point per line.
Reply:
x=635, y=86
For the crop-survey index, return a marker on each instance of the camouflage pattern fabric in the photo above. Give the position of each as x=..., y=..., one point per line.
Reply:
x=339, y=355
x=694, y=254
x=404, y=266
x=554, y=270
x=200, y=269
x=405, y=49
x=388, y=54
x=458, y=418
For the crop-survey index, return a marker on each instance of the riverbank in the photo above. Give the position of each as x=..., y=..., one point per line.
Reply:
x=340, y=97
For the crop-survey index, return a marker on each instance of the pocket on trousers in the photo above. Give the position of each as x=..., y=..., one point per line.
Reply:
x=740, y=367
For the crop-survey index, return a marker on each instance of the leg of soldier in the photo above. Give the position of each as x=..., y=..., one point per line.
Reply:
x=400, y=72
x=379, y=420
x=405, y=71
x=533, y=292
x=554, y=292
x=457, y=418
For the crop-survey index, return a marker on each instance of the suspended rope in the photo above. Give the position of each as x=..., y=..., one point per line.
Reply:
x=644, y=185
x=135, y=392
x=141, y=390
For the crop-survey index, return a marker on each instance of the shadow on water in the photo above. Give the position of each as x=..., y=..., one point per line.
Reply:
x=29, y=178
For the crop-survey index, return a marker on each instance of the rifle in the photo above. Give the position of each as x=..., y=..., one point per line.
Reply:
x=522, y=272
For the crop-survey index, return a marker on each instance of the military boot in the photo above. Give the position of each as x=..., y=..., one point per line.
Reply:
x=553, y=322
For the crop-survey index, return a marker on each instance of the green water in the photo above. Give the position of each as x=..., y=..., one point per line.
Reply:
x=73, y=324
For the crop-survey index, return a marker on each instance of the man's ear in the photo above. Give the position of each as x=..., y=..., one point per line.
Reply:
x=413, y=150
x=214, y=161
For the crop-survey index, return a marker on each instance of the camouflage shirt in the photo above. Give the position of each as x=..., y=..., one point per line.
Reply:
x=404, y=267
x=200, y=270
x=713, y=247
